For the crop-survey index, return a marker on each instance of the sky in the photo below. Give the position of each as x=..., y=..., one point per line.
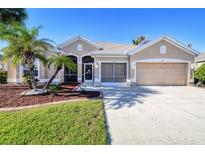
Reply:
x=120, y=25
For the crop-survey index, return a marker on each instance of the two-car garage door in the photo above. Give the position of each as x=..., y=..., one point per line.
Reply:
x=161, y=73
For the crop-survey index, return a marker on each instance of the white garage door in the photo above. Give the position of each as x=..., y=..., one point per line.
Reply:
x=113, y=72
x=161, y=74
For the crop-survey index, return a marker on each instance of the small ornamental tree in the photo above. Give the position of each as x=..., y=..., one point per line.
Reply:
x=200, y=73
x=58, y=61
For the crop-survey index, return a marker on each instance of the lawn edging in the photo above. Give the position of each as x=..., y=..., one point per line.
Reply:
x=40, y=105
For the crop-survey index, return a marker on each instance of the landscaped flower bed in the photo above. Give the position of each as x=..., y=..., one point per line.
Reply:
x=10, y=95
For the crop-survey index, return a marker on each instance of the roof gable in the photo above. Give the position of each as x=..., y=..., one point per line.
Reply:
x=76, y=38
x=168, y=39
x=201, y=57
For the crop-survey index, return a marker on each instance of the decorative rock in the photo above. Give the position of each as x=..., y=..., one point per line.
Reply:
x=34, y=92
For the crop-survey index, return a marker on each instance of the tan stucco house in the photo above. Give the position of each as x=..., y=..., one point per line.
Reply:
x=163, y=61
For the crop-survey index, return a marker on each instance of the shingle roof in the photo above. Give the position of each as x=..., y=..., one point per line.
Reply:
x=200, y=57
x=115, y=48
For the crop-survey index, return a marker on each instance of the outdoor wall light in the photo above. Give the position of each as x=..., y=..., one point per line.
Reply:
x=133, y=65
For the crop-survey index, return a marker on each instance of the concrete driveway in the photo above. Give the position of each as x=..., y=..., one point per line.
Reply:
x=155, y=115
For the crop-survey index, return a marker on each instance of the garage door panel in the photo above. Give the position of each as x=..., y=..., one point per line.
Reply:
x=161, y=74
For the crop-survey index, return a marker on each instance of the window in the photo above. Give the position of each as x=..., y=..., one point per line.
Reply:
x=36, y=70
x=163, y=49
x=79, y=47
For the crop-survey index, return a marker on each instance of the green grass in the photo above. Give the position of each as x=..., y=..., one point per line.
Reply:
x=80, y=122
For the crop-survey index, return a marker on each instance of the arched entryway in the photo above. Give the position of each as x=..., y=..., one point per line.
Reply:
x=71, y=76
x=87, y=69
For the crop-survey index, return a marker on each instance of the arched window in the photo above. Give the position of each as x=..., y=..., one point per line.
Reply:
x=79, y=47
x=163, y=49
x=71, y=75
x=87, y=59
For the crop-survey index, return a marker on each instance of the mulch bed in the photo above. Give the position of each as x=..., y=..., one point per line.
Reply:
x=10, y=95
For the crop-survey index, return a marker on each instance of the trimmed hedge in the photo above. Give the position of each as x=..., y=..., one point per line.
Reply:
x=3, y=77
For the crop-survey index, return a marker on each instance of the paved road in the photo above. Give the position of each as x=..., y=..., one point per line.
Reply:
x=155, y=115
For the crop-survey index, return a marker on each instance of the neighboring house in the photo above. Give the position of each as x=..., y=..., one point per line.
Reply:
x=200, y=59
x=163, y=61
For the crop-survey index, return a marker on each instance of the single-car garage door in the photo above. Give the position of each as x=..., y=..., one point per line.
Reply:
x=161, y=73
x=113, y=72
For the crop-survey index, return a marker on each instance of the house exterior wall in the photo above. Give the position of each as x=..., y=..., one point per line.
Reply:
x=12, y=71
x=72, y=48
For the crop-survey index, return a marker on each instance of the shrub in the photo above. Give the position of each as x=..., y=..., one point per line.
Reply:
x=26, y=79
x=53, y=89
x=3, y=77
x=200, y=73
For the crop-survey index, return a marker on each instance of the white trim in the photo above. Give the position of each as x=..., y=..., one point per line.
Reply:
x=102, y=52
x=164, y=60
x=92, y=72
x=19, y=80
x=111, y=56
x=168, y=39
x=39, y=71
x=161, y=60
x=114, y=84
x=114, y=61
x=56, y=80
x=79, y=37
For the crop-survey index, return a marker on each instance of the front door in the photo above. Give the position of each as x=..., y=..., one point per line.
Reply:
x=88, y=72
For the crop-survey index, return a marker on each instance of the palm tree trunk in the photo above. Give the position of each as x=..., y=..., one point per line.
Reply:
x=51, y=79
x=31, y=67
x=33, y=82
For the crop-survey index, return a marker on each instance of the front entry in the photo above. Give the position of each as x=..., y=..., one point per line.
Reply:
x=88, y=72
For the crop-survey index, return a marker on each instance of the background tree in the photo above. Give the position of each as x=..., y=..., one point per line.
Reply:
x=24, y=47
x=200, y=73
x=8, y=15
x=58, y=60
x=140, y=39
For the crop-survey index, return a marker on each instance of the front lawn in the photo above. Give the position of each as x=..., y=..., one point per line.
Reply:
x=80, y=122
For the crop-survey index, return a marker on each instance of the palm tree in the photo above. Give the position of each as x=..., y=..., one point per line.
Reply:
x=24, y=47
x=58, y=60
x=8, y=15
x=141, y=39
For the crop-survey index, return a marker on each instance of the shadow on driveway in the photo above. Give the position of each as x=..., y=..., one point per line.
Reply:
x=119, y=97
